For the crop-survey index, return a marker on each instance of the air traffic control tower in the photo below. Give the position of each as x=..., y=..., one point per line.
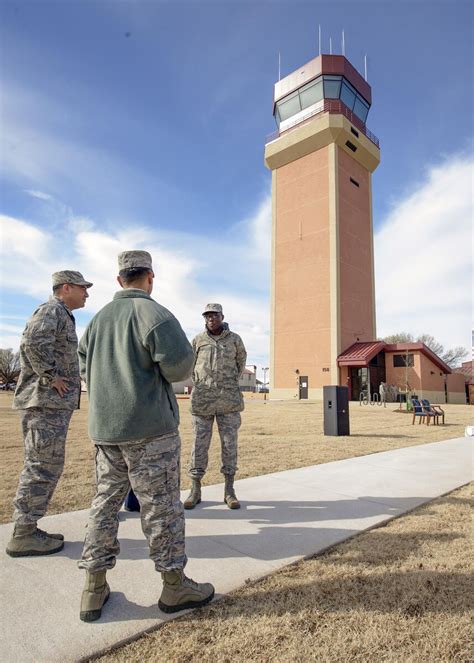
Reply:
x=322, y=158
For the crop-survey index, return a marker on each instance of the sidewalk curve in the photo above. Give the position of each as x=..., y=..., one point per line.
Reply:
x=284, y=517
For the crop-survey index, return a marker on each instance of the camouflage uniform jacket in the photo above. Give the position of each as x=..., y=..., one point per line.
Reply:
x=130, y=353
x=218, y=365
x=48, y=349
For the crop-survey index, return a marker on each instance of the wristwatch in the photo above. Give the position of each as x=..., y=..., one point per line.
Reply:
x=45, y=381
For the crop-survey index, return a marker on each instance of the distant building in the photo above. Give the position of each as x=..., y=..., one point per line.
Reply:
x=248, y=379
x=248, y=382
x=466, y=370
x=183, y=387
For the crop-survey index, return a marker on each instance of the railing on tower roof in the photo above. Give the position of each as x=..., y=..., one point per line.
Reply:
x=328, y=106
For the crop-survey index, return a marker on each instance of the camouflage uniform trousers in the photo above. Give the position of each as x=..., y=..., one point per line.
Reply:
x=228, y=426
x=152, y=468
x=44, y=435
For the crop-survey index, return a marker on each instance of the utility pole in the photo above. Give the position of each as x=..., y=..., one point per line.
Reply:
x=264, y=382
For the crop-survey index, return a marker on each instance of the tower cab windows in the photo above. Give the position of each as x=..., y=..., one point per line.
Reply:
x=332, y=87
x=310, y=98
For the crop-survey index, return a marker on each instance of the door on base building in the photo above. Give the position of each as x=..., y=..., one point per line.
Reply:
x=303, y=387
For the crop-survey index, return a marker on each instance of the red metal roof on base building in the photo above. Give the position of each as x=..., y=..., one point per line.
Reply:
x=359, y=354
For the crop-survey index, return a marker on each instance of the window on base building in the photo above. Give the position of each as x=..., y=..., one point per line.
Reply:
x=402, y=361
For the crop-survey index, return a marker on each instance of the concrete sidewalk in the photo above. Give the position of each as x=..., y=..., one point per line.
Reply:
x=284, y=516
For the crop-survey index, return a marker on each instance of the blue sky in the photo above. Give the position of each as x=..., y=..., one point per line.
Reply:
x=142, y=125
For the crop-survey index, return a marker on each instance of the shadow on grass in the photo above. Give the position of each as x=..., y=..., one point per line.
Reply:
x=411, y=593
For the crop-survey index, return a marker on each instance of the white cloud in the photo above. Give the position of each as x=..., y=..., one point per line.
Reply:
x=258, y=230
x=22, y=244
x=190, y=270
x=5, y=327
x=10, y=335
x=9, y=340
x=38, y=194
x=423, y=258
x=81, y=224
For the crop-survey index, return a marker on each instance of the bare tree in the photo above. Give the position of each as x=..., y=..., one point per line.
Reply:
x=402, y=337
x=455, y=356
x=9, y=365
x=452, y=357
x=432, y=343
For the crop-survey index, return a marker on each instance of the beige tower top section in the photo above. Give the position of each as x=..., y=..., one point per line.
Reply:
x=325, y=101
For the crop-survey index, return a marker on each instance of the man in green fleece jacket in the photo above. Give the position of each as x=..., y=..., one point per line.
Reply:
x=131, y=352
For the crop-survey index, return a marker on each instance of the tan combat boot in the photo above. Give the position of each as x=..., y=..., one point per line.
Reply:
x=230, y=497
x=194, y=496
x=29, y=541
x=181, y=593
x=95, y=594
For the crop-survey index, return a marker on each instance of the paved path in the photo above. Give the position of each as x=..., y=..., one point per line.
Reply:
x=284, y=516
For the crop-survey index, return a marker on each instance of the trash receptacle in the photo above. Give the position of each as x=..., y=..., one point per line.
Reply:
x=336, y=410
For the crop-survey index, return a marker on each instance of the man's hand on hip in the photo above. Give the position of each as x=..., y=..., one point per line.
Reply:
x=60, y=385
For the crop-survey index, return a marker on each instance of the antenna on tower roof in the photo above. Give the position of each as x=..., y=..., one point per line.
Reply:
x=279, y=65
x=343, y=44
x=319, y=31
x=330, y=46
x=365, y=66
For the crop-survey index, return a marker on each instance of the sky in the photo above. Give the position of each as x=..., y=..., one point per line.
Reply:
x=142, y=125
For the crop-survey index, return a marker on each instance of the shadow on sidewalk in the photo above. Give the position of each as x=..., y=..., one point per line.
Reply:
x=267, y=530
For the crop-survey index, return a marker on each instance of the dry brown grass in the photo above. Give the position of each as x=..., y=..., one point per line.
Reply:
x=275, y=436
x=399, y=593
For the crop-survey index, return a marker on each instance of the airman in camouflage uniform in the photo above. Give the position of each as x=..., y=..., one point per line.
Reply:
x=130, y=353
x=219, y=360
x=47, y=393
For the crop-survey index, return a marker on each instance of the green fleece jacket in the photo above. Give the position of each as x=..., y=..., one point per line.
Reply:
x=129, y=354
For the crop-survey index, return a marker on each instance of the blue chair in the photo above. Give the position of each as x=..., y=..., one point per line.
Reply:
x=435, y=410
x=418, y=411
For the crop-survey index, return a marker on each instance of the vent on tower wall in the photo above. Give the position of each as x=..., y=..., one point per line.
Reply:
x=354, y=182
x=351, y=146
x=356, y=133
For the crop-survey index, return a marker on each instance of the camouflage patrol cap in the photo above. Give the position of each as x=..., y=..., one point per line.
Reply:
x=70, y=277
x=134, y=260
x=213, y=308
